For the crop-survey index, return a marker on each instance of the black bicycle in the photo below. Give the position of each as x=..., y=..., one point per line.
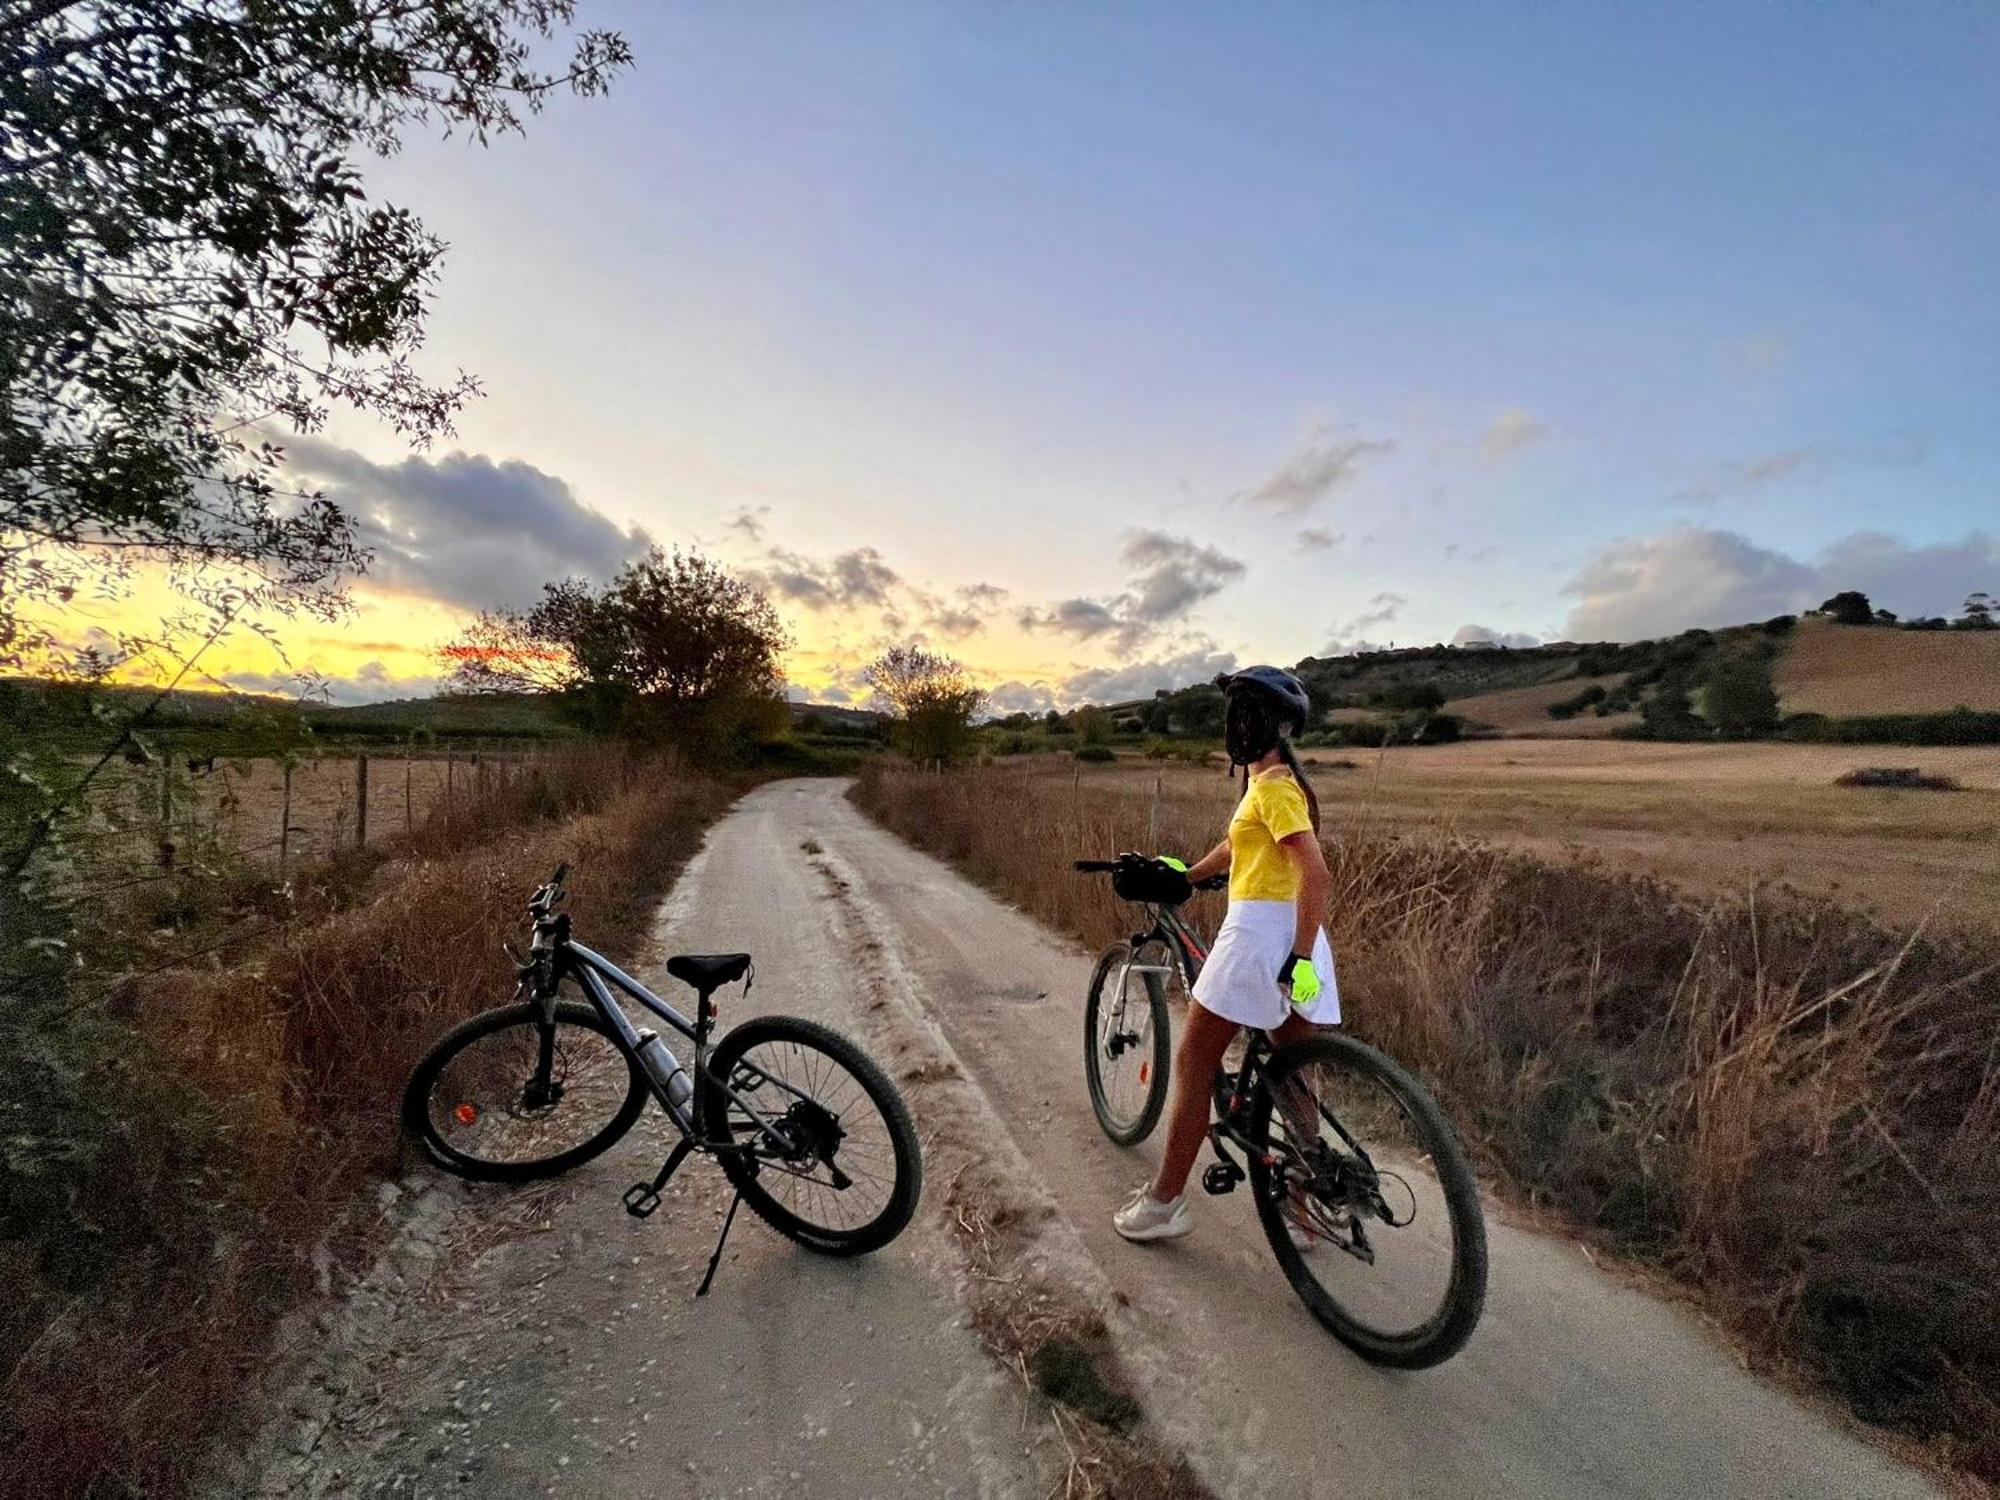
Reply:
x=1363, y=1189
x=807, y=1129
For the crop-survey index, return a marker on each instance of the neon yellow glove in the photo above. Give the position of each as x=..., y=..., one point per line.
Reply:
x=1300, y=980
x=1171, y=863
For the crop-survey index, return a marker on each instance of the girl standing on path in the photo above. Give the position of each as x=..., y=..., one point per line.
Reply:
x=1271, y=966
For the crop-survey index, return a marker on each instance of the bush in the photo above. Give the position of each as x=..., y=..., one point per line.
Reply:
x=1897, y=776
x=1961, y=726
x=1740, y=700
x=1779, y=625
x=1570, y=707
x=1096, y=754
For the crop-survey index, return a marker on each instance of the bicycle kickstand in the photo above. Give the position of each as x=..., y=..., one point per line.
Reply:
x=720, y=1240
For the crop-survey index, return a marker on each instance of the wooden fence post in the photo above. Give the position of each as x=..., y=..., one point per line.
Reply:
x=1153, y=818
x=285, y=823
x=409, y=800
x=361, y=801
x=450, y=787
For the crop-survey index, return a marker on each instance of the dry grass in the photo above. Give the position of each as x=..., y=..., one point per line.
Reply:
x=1524, y=711
x=1793, y=1112
x=1712, y=818
x=1846, y=670
x=248, y=1106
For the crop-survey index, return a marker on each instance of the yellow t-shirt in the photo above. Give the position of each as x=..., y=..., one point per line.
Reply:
x=1273, y=808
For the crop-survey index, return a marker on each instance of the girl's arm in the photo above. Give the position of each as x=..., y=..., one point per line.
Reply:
x=1314, y=883
x=1212, y=863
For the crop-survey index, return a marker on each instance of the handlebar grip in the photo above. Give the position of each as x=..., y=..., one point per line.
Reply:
x=1097, y=864
x=562, y=873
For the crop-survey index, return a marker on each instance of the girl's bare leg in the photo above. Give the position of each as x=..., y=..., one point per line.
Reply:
x=1204, y=1038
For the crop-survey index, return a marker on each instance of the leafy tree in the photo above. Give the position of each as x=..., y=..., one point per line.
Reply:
x=932, y=698
x=672, y=646
x=1412, y=697
x=1740, y=700
x=187, y=253
x=1979, y=608
x=1849, y=607
x=1093, y=725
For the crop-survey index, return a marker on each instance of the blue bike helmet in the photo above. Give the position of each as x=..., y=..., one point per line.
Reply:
x=1264, y=705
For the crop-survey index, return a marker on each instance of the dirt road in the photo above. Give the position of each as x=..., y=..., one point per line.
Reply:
x=559, y=1350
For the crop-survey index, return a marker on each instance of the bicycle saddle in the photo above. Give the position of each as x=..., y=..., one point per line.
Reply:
x=708, y=971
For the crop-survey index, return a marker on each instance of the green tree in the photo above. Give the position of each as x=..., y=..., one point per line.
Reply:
x=932, y=698
x=187, y=254
x=1093, y=725
x=1849, y=607
x=1979, y=608
x=1740, y=700
x=673, y=647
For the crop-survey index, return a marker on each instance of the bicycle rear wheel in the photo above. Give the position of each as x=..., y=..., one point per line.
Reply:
x=844, y=1172
x=1349, y=1149
x=1127, y=1042
x=504, y=1097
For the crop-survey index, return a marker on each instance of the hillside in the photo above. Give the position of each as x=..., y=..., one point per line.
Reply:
x=1845, y=670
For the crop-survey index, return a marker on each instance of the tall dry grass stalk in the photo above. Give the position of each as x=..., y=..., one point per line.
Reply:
x=1790, y=1110
x=247, y=1107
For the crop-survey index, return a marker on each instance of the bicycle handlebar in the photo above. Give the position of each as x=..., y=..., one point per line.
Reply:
x=1097, y=864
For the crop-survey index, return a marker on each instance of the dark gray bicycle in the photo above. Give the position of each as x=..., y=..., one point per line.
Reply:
x=1362, y=1188
x=807, y=1129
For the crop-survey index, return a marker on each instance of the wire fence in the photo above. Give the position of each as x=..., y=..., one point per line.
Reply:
x=174, y=816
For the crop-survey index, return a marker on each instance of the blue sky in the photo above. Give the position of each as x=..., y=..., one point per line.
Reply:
x=1553, y=320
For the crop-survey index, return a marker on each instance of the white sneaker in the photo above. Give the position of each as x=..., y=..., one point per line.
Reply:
x=1145, y=1217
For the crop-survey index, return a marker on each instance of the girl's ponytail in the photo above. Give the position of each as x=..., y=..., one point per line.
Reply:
x=1291, y=759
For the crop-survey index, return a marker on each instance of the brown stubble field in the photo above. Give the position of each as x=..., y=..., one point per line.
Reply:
x=1716, y=820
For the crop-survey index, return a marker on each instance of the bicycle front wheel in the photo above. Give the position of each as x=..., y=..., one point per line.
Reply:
x=1368, y=1201
x=812, y=1134
x=508, y=1097
x=1127, y=1043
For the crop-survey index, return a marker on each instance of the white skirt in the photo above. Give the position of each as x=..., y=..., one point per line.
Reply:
x=1239, y=979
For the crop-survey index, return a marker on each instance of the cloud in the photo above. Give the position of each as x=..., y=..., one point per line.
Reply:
x=1743, y=476
x=1693, y=576
x=1171, y=576
x=1017, y=697
x=851, y=580
x=1347, y=637
x=748, y=522
x=1142, y=679
x=1509, y=432
x=1467, y=635
x=1318, y=539
x=1323, y=465
x=372, y=682
x=966, y=612
x=464, y=528
x=1748, y=474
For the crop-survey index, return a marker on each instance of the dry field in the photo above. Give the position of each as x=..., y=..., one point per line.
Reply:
x=1716, y=819
x=1524, y=712
x=1845, y=670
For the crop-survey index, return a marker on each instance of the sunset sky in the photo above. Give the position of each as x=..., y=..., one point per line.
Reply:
x=1106, y=345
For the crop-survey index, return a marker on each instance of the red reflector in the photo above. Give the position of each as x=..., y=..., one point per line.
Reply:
x=465, y=1114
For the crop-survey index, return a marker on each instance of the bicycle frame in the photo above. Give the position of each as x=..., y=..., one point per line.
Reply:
x=557, y=956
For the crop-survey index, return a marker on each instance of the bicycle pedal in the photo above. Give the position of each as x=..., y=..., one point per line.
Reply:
x=1220, y=1177
x=641, y=1200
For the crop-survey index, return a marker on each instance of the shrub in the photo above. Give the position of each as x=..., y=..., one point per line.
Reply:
x=1096, y=754
x=1961, y=726
x=1779, y=625
x=1739, y=699
x=1576, y=703
x=1897, y=776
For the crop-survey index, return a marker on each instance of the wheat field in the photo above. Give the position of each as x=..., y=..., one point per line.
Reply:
x=1843, y=670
